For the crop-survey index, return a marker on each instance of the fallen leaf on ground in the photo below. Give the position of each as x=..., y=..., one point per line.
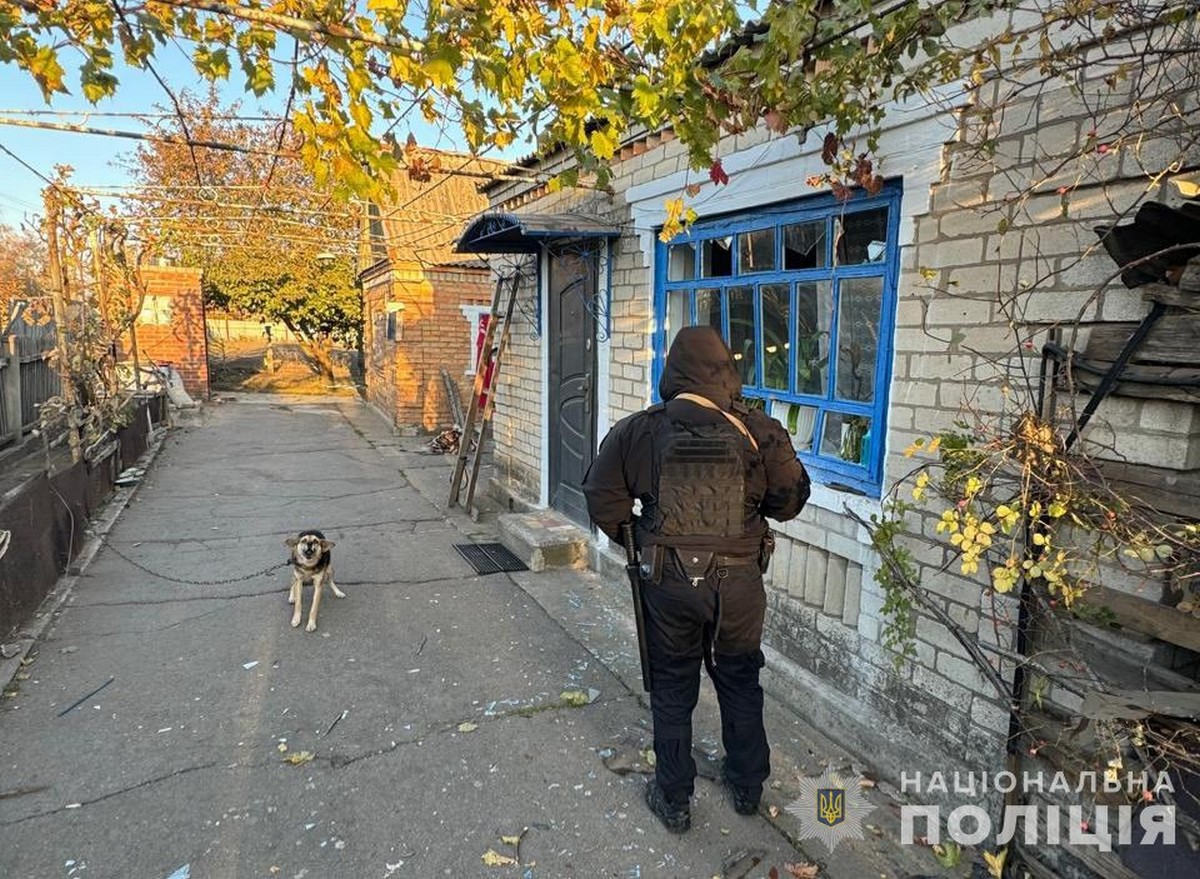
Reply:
x=773, y=811
x=947, y=854
x=512, y=840
x=468, y=727
x=282, y=748
x=866, y=782
x=495, y=859
x=574, y=698
x=803, y=871
x=995, y=862
x=649, y=757
x=297, y=758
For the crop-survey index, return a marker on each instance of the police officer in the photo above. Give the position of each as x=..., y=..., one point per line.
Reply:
x=706, y=471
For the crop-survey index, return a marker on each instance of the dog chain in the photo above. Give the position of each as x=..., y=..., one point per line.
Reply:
x=224, y=582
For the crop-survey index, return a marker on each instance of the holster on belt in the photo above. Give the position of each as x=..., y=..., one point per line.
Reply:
x=766, y=550
x=651, y=564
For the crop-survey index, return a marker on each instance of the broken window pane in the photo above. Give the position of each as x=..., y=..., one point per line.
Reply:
x=804, y=245
x=863, y=237
x=716, y=257
x=757, y=251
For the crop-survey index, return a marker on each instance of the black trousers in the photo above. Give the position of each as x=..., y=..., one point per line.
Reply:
x=681, y=622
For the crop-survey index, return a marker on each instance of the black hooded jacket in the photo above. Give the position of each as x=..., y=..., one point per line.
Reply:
x=699, y=362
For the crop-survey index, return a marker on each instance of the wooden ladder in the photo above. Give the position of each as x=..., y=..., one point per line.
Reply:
x=475, y=428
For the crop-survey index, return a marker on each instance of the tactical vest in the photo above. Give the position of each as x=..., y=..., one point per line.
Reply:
x=701, y=490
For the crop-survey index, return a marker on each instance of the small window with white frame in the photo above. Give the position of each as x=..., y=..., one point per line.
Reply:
x=477, y=316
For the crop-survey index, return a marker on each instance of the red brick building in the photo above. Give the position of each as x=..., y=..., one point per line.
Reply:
x=422, y=302
x=170, y=327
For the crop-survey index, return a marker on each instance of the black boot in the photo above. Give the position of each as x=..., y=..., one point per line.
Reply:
x=676, y=817
x=745, y=799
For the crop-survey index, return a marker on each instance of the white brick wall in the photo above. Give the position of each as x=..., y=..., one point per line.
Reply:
x=954, y=348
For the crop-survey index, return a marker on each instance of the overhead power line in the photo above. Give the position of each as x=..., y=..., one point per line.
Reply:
x=138, y=135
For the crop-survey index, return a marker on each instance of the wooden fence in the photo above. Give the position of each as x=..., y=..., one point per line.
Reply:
x=27, y=377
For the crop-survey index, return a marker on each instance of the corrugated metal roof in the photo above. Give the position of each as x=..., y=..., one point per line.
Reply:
x=496, y=232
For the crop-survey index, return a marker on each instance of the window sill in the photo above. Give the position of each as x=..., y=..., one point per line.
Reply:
x=826, y=497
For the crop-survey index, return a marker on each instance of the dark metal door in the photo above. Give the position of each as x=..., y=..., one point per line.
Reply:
x=572, y=398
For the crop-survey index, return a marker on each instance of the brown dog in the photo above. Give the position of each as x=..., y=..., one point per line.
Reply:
x=311, y=560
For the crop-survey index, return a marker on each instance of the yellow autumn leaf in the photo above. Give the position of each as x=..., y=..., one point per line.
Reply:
x=298, y=758
x=603, y=143
x=573, y=698
x=467, y=726
x=511, y=840
x=995, y=862
x=495, y=859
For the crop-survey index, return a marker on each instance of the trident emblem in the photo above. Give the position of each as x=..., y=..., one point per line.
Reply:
x=831, y=806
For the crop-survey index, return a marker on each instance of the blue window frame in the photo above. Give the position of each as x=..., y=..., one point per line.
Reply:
x=804, y=293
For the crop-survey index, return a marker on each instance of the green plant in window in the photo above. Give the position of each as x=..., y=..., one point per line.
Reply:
x=853, y=435
x=810, y=363
x=775, y=364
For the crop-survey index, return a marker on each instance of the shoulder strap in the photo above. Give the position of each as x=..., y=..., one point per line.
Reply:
x=709, y=404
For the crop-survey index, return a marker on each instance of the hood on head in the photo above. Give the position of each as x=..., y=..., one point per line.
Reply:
x=699, y=362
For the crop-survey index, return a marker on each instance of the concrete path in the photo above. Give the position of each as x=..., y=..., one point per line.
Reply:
x=430, y=698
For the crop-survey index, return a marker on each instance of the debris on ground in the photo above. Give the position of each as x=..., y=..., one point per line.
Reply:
x=446, y=442
x=130, y=476
x=493, y=858
x=337, y=720
x=299, y=758
x=578, y=698
x=84, y=698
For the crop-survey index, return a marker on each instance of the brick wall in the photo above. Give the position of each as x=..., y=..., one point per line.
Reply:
x=404, y=374
x=171, y=326
x=954, y=353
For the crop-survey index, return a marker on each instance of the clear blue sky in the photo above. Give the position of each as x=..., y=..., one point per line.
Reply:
x=95, y=158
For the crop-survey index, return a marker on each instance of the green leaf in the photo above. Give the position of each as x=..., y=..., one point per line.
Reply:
x=47, y=71
x=260, y=78
x=211, y=64
x=440, y=70
x=96, y=84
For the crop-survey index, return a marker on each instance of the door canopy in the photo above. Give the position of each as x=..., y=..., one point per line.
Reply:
x=526, y=233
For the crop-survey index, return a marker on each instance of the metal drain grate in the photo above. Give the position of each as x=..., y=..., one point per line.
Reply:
x=489, y=558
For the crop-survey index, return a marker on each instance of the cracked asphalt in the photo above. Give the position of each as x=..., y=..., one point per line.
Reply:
x=429, y=698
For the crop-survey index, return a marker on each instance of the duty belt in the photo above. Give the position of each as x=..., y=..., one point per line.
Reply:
x=728, y=561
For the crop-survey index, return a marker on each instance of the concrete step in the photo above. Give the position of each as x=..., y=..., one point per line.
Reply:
x=545, y=539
